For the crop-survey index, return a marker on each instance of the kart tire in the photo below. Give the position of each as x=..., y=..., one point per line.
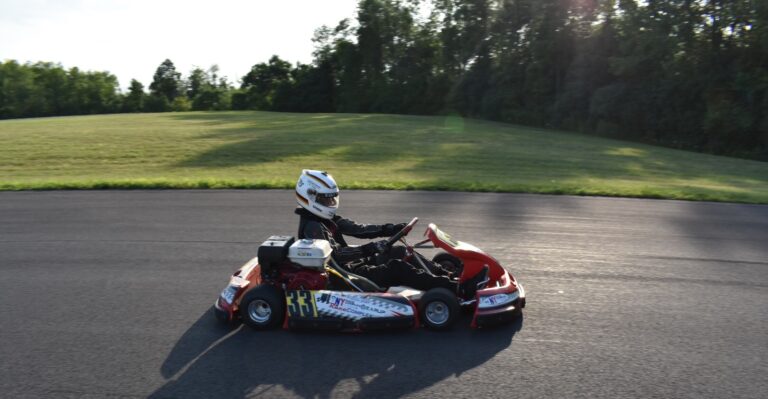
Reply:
x=263, y=307
x=449, y=263
x=439, y=309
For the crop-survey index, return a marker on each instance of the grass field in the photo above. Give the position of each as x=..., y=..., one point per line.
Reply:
x=268, y=150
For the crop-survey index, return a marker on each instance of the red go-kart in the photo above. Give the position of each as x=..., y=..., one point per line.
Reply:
x=297, y=284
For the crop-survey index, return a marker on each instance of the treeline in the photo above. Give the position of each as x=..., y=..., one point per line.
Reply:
x=47, y=89
x=682, y=73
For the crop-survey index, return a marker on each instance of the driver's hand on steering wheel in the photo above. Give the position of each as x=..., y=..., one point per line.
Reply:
x=391, y=229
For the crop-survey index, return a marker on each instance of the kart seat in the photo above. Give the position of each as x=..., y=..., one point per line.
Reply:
x=356, y=281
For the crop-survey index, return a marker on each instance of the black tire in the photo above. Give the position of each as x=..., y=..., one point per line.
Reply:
x=263, y=307
x=439, y=309
x=449, y=263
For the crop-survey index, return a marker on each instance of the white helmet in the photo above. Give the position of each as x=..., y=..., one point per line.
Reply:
x=317, y=192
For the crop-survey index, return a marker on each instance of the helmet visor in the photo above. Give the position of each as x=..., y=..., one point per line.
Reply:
x=329, y=200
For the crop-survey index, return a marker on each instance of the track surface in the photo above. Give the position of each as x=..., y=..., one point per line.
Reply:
x=107, y=294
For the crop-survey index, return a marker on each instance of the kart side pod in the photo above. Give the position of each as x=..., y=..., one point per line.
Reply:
x=338, y=310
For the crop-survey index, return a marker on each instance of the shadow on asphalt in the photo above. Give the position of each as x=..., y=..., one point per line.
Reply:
x=212, y=361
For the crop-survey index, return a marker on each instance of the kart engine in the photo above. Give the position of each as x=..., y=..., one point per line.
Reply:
x=299, y=264
x=311, y=256
x=303, y=279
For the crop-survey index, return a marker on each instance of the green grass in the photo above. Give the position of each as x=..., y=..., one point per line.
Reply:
x=268, y=150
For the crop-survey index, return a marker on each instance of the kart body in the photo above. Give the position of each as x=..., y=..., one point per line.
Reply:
x=273, y=290
x=502, y=299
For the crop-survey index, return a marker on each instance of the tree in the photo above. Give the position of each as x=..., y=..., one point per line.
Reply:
x=166, y=81
x=197, y=79
x=17, y=91
x=682, y=73
x=134, y=101
x=310, y=89
x=45, y=89
x=181, y=104
x=207, y=91
x=262, y=81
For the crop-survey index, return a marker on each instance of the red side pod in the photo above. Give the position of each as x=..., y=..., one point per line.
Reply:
x=416, y=319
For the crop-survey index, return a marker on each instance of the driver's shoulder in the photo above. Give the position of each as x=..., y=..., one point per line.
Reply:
x=313, y=229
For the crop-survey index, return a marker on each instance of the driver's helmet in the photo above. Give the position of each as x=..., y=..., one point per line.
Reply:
x=317, y=192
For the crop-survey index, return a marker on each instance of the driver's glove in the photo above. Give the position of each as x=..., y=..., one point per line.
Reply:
x=390, y=229
x=372, y=248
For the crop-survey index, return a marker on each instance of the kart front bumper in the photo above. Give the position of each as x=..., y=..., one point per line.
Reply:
x=499, y=305
x=223, y=311
x=502, y=315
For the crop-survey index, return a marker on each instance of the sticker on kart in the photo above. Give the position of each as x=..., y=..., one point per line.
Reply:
x=345, y=305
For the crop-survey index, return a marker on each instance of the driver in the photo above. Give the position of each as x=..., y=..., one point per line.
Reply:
x=318, y=198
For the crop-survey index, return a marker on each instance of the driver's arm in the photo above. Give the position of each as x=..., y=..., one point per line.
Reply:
x=350, y=228
x=341, y=254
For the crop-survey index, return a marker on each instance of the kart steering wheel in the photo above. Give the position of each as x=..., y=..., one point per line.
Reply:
x=400, y=234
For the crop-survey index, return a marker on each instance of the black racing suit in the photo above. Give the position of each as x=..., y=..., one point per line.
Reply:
x=389, y=271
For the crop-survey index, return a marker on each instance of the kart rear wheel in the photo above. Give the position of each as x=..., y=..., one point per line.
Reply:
x=439, y=309
x=263, y=307
x=449, y=262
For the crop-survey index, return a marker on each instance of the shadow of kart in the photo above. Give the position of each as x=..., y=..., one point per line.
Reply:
x=212, y=361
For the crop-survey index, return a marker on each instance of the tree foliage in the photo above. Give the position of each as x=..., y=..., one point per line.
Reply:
x=207, y=91
x=166, y=81
x=134, y=100
x=44, y=89
x=684, y=73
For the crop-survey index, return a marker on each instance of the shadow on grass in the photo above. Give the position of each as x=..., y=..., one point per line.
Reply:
x=472, y=155
x=209, y=361
x=256, y=138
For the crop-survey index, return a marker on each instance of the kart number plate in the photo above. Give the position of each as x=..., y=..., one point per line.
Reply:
x=301, y=304
x=228, y=294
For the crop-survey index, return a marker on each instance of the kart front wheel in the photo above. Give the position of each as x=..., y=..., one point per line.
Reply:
x=263, y=307
x=439, y=309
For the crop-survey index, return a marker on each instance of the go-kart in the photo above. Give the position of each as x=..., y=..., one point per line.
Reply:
x=296, y=284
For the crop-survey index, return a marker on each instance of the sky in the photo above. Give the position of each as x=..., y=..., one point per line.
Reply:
x=130, y=38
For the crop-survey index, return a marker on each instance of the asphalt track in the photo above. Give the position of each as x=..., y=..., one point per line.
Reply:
x=108, y=293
